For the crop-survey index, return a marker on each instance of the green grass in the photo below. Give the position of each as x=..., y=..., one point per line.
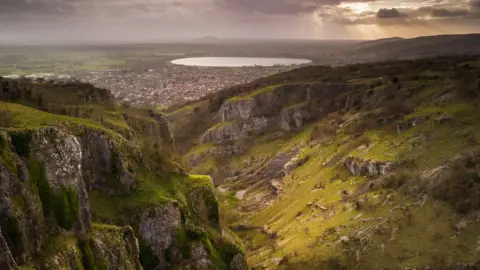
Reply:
x=58, y=60
x=251, y=95
x=152, y=191
x=200, y=149
x=28, y=118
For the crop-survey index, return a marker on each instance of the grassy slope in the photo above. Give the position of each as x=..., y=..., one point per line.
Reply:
x=380, y=233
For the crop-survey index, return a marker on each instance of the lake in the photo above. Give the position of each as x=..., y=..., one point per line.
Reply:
x=239, y=61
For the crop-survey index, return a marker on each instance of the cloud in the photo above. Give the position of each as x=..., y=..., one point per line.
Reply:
x=273, y=6
x=245, y=18
x=475, y=4
x=390, y=13
x=442, y=12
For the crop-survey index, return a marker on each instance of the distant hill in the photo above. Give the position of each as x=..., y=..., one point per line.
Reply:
x=377, y=42
x=396, y=48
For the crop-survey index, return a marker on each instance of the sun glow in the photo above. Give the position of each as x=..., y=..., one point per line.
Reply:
x=357, y=7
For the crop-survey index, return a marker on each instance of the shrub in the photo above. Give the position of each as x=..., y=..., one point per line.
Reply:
x=21, y=141
x=6, y=119
x=460, y=184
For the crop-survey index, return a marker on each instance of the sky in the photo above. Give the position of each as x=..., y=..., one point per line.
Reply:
x=70, y=21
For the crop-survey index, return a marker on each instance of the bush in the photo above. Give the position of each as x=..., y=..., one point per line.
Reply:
x=396, y=180
x=21, y=141
x=460, y=184
x=6, y=119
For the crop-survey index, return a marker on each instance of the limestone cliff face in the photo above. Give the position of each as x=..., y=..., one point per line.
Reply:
x=286, y=107
x=60, y=154
x=236, y=130
x=158, y=227
x=103, y=166
x=46, y=175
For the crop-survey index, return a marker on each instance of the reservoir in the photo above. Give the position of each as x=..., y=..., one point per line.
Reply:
x=239, y=61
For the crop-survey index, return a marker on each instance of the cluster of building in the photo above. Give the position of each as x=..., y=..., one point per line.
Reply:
x=172, y=84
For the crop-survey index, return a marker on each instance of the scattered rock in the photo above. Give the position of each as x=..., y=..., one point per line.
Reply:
x=344, y=239
x=414, y=122
x=360, y=167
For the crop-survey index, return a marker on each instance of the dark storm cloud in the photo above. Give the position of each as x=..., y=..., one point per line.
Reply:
x=390, y=13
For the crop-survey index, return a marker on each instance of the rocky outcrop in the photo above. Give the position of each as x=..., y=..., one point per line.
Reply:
x=360, y=167
x=294, y=117
x=60, y=154
x=44, y=194
x=115, y=247
x=67, y=256
x=236, y=130
x=155, y=126
x=103, y=166
x=294, y=163
x=242, y=109
x=204, y=204
x=157, y=228
x=6, y=259
x=416, y=121
x=248, y=116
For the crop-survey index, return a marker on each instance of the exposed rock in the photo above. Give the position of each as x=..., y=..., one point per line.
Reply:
x=344, y=239
x=238, y=263
x=200, y=257
x=294, y=117
x=67, y=256
x=243, y=118
x=21, y=214
x=243, y=109
x=360, y=167
x=116, y=247
x=445, y=119
x=157, y=227
x=159, y=128
x=6, y=259
x=294, y=163
x=416, y=121
x=221, y=150
x=204, y=204
x=240, y=194
x=61, y=155
x=103, y=167
x=236, y=130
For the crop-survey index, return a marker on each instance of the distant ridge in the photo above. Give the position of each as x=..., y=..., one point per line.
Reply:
x=419, y=47
x=382, y=41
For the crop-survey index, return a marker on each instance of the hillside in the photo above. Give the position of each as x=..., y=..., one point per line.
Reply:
x=368, y=166
x=87, y=183
x=428, y=46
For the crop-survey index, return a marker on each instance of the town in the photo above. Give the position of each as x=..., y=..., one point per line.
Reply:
x=172, y=84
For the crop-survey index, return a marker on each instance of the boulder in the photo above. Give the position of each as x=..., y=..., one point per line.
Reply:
x=360, y=167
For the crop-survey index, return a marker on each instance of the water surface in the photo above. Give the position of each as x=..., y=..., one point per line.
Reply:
x=239, y=61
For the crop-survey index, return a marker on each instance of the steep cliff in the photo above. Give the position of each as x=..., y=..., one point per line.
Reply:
x=101, y=191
